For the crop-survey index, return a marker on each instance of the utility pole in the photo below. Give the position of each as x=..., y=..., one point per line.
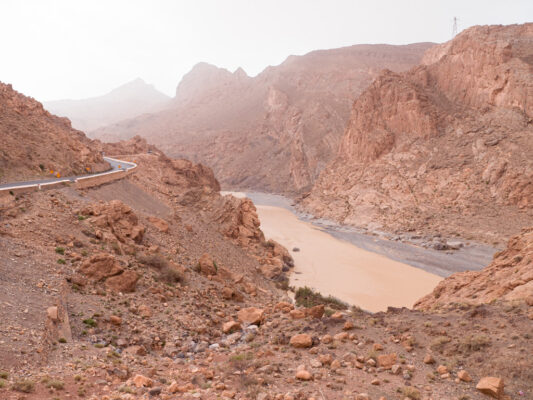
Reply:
x=454, y=31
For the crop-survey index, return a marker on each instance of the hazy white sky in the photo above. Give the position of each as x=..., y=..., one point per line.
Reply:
x=75, y=49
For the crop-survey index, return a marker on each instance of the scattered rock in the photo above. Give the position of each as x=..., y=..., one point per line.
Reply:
x=464, y=376
x=251, y=315
x=101, y=266
x=428, y=359
x=304, y=375
x=491, y=386
x=387, y=360
x=206, y=265
x=52, y=313
x=142, y=381
x=231, y=326
x=302, y=340
x=126, y=282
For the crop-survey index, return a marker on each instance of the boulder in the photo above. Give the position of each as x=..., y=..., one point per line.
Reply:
x=316, y=311
x=428, y=359
x=123, y=283
x=101, y=266
x=442, y=369
x=297, y=314
x=464, y=376
x=251, y=315
x=284, y=306
x=301, y=341
x=52, y=313
x=145, y=311
x=491, y=386
x=206, y=265
x=387, y=360
x=271, y=271
x=231, y=326
x=142, y=381
x=304, y=375
x=116, y=217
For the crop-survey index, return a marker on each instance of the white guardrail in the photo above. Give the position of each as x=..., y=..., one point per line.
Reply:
x=78, y=180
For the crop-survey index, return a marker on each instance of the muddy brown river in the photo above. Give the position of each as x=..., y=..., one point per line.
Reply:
x=369, y=274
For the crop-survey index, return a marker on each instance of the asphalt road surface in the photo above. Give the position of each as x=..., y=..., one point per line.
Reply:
x=114, y=167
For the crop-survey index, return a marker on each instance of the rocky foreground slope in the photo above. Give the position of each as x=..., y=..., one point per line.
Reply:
x=127, y=101
x=508, y=277
x=156, y=286
x=273, y=132
x=35, y=142
x=445, y=147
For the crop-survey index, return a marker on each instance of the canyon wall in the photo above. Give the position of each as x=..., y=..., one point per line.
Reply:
x=445, y=147
x=273, y=132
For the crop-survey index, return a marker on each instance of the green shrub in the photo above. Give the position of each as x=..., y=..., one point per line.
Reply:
x=474, y=343
x=89, y=322
x=25, y=386
x=439, y=342
x=60, y=250
x=171, y=275
x=61, y=261
x=156, y=261
x=54, y=383
x=307, y=297
x=411, y=392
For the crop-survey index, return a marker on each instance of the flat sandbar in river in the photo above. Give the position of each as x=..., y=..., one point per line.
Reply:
x=340, y=269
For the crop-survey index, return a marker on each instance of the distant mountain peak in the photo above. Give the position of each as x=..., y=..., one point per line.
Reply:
x=128, y=100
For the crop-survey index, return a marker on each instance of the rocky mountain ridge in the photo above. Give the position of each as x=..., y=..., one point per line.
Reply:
x=449, y=139
x=273, y=132
x=36, y=143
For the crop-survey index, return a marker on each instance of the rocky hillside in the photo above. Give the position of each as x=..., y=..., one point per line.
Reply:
x=156, y=286
x=446, y=147
x=127, y=101
x=274, y=132
x=35, y=142
x=508, y=277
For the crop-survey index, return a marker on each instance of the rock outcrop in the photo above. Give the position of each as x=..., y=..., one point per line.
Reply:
x=508, y=277
x=274, y=132
x=448, y=140
x=37, y=144
x=115, y=222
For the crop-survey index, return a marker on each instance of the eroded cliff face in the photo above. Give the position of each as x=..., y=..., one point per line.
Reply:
x=446, y=147
x=273, y=132
x=509, y=277
x=34, y=142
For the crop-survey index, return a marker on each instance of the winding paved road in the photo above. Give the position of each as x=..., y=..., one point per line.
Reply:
x=124, y=165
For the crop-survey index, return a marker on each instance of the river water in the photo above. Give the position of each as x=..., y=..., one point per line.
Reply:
x=358, y=268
